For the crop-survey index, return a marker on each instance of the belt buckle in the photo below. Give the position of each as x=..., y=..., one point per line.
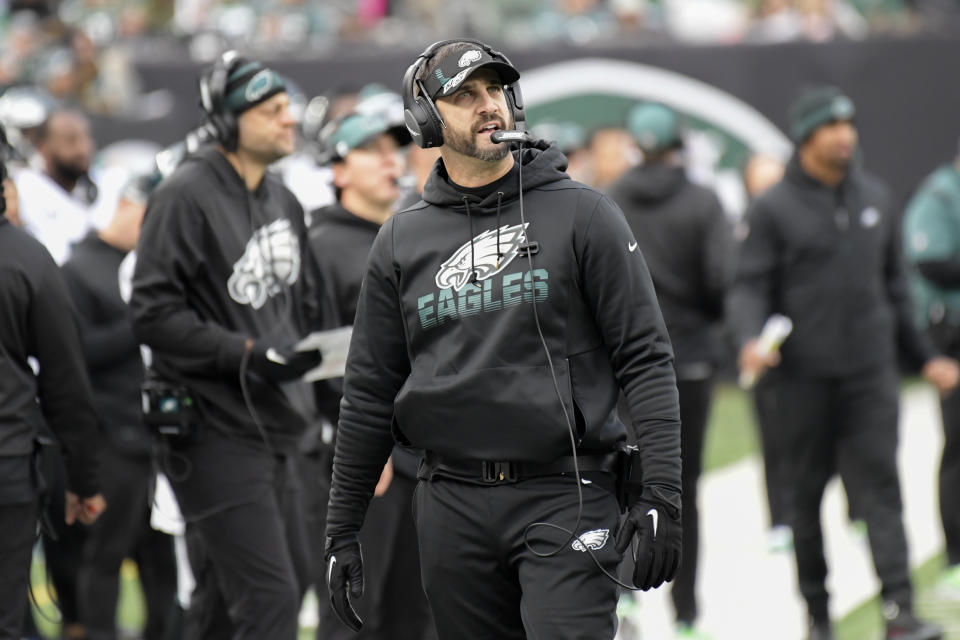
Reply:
x=499, y=472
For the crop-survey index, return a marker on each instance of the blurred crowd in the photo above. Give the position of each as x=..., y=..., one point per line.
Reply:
x=84, y=51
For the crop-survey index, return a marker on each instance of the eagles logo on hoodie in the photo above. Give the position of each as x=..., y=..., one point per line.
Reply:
x=271, y=258
x=490, y=256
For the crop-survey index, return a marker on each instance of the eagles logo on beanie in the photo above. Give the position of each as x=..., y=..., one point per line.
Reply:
x=816, y=108
x=249, y=84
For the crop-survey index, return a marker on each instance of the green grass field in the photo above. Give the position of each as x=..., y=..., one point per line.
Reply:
x=731, y=436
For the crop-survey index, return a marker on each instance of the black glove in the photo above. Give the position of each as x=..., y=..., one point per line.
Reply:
x=344, y=577
x=282, y=364
x=655, y=520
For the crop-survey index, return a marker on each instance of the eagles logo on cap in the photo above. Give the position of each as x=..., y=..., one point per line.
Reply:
x=468, y=58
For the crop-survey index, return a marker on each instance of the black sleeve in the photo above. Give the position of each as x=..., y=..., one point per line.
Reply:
x=914, y=345
x=377, y=367
x=718, y=257
x=943, y=273
x=64, y=388
x=619, y=291
x=104, y=343
x=169, y=254
x=310, y=284
x=751, y=298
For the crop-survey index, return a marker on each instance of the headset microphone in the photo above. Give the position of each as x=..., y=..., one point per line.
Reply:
x=510, y=136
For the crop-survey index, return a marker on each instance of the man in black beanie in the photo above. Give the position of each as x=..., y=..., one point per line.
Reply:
x=823, y=249
x=223, y=290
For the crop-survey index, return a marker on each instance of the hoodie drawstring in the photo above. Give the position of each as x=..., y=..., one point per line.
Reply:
x=499, y=253
x=473, y=266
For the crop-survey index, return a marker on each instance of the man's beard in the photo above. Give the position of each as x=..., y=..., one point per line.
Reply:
x=69, y=170
x=466, y=144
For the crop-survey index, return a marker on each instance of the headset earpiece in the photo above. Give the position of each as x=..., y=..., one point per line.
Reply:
x=213, y=88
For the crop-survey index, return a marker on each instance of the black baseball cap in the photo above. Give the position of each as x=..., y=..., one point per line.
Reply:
x=456, y=67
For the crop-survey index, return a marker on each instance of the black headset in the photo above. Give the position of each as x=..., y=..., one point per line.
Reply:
x=420, y=113
x=213, y=88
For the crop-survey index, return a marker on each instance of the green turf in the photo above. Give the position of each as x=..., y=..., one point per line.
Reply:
x=865, y=622
x=731, y=430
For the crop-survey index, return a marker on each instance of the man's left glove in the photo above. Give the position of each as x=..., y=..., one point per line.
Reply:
x=655, y=520
x=344, y=577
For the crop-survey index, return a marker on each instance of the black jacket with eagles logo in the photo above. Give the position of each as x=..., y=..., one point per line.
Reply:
x=457, y=367
x=830, y=260
x=217, y=265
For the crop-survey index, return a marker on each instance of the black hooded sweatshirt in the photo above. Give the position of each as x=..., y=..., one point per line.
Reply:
x=453, y=363
x=830, y=259
x=37, y=319
x=216, y=265
x=687, y=242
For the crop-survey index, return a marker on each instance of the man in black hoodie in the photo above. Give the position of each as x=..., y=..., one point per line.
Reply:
x=220, y=294
x=498, y=321
x=823, y=249
x=95, y=281
x=365, y=154
x=37, y=320
x=684, y=236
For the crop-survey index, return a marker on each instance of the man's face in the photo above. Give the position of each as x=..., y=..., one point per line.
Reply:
x=372, y=171
x=68, y=147
x=470, y=112
x=834, y=144
x=267, y=131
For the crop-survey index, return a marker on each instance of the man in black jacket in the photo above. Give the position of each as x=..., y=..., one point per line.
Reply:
x=498, y=320
x=365, y=155
x=823, y=249
x=37, y=320
x=220, y=295
x=93, y=277
x=684, y=236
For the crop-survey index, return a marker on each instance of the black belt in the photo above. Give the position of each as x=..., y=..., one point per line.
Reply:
x=503, y=472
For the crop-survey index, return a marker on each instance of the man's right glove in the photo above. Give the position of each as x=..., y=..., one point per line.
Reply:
x=281, y=364
x=655, y=520
x=344, y=577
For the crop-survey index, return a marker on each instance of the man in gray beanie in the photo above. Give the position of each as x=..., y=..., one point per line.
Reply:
x=823, y=249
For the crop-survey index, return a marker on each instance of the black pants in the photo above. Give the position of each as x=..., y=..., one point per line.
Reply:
x=18, y=532
x=849, y=425
x=124, y=531
x=244, y=514
x=483, y=583
x=64, y=552
x=393, y=606
x=950, y=476
x=776, y=454
x=694, y=410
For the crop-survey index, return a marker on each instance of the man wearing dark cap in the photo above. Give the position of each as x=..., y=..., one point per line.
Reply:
x=823, y=249
x=684, y=236
x=364, y=151
x=223, y=289
x=498, y=321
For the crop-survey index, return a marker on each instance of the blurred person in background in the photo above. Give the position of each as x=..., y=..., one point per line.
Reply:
x=932, y=244
x=823, y=248
x=612, y=151
x=223, y=290
x=38, y=322
x=571, y=139
x=365, y=152
x=55, y=202
x=683, y=234
x=115, y=367
x=759, y=174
